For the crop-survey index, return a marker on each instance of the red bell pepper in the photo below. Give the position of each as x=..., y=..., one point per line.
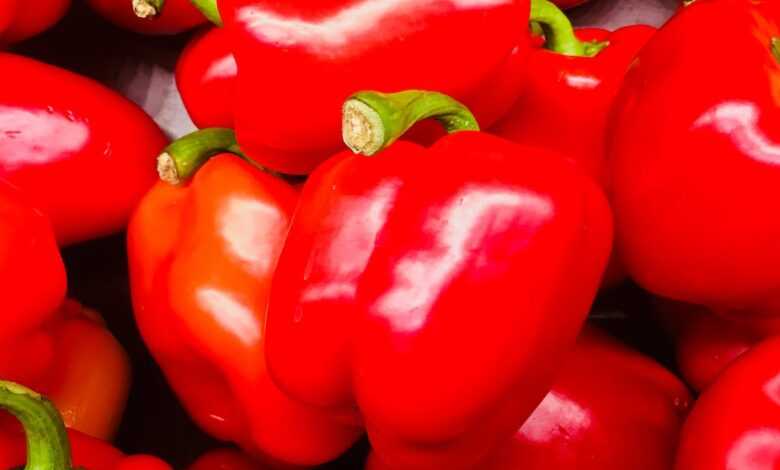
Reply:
x=569, y=87
x=225, y=459
x=62, y=349
x=349, y=45
x=389, y=261
x=735, y=424
x=150, y=16
x=82, y=153
x=23, y=19
x=695, y=146
x=206, y=78
x=611, y=408
x=48, y=444
x=202, y=256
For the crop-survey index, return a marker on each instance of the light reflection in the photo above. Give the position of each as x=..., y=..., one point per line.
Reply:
x=556, y=415
x=251, y=231
x=223, y=68
x=582, y=82
x=233, y=316
x=772, y=389
x=758, y=449
x=421, y=275
x=739, y=120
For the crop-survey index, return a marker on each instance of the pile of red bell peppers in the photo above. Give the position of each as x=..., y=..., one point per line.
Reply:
x=389, y=232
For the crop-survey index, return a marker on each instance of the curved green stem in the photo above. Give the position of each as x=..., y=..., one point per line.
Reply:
x=148, y=8
x=374, y=120
x=559, y=33
x=47, y=442
x=209, y=9
x=182, y=158
x=775, y=47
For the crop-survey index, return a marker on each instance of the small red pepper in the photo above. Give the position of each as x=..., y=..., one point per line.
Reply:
x=23, y=19
x=735, y=424
x=569, y=87
x=150, y=16
x=206, y=79
x=82, y=153
x=48, y=444
x=435, y=290
x=695, y=146
x=611, y=408
x=202, y=256
x=225, y=459
x=330, y=49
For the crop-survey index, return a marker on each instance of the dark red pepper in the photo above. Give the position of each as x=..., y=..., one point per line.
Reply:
x=23, y=19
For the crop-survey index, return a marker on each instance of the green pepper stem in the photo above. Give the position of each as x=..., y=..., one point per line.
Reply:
x=559, y=32
x=373, y=120
x=148, y=8
x=209, y=9
x=774, y=45
x=182, y=158
x=47, y=442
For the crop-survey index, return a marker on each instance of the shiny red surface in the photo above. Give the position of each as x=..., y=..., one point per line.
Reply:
x=201, y=258
x=695, y=153
x=206, y=79
x=327, y=50
x=23, y=19
x=565, y=100
x=611, y=408
x=177, y=16
x=735, y=424
x=83, y=154
x=437, y=302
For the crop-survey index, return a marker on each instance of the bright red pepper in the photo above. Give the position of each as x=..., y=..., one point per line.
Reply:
x=225, y=459
x=735, y=424
x=435, y=289
x=695, y=148
x=611, y=408
x=23, y=19
x=150, y=16
x=569, y=87
x=206, y=79
x=202, y=256
x=48, y=444
x=82, y=153
x=471, y=49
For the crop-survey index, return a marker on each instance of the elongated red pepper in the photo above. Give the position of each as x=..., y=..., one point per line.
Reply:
x=150, y=16
x=202, y=256
x=569, y=87
x=61, y=349
x=23, y=19
x=349, y=45
x=611, y=408
x=735, y=424
x=83, y=154
x=436, y=290
x=48, y=444
x=695, y=148
x=206, y=79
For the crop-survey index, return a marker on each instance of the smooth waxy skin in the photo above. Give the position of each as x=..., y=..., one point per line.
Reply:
x=404, y=288
x=565, y=100
x=83, y=154
x=348, y=45
x=177, y=16
x=735, y=424
x=694, y=155
x=206, y=79
x=201, y=261
x=23, y=19
x=606, y=394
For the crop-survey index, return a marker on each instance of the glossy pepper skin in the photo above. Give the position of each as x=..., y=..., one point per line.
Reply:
x=43, y=442
x=569, y=86
x=142, y=16
x=202, y=256
x=695, y=166
x=23, y=19
x=735, y=424
x=402, y=287
x=350, y=45
x=82, y=153
x=206, y=79
x=606, y=394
